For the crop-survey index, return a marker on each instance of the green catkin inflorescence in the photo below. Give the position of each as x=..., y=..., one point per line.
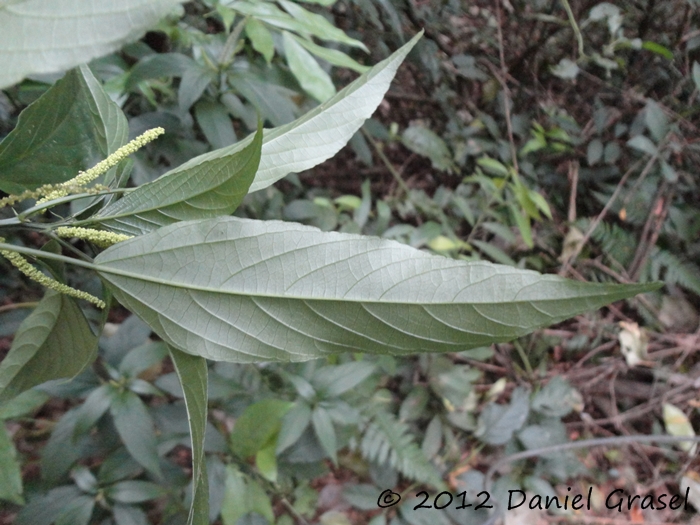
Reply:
x=85, y=177
x=100, y=238
x=30, y=271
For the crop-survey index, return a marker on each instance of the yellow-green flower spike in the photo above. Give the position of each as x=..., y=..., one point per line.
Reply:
x=100, y=238
x=30, y=271
x=85, y=177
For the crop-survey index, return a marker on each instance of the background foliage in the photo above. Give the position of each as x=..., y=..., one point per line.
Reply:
x=514, y=136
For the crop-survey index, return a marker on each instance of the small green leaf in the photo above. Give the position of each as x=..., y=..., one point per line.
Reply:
x=656, y=120
x=128, y=515
x=323, y=427
x=134, y=491
x=498, y=422
x=135, y=427
x=595, y=152
x=261, y=38
x=203, y=189
x=54, y=342
x=493, y=166
x=71, y=127
x=10, y=474
x=243, y=496
x=332, y=56
x=310, y=75
x=643, y=144
x=557, y=399
x=425, y=142
x=332, y=381
x=193, y=374
x=257, y=426
x=266, y=461
x=92, y=409
x=294, y=423
x=215, y=123
x=23, y=404
x=658, y=49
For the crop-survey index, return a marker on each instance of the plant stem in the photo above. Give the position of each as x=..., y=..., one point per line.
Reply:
x=38, y=254
x=387, y=163
x=17, y=306
x=575, y=27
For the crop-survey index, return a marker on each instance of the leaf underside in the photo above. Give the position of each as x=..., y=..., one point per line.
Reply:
x=241, y=290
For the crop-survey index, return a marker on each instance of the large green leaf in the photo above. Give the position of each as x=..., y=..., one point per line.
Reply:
x=192, y=372
x=207, y=189
x=323, y=131
x=46, y=37
x=54, y=342
x=72, y=127
x=242, y=290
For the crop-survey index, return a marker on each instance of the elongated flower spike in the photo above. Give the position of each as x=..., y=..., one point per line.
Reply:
x=115, y=158
x=100, y=238
x=24, y=266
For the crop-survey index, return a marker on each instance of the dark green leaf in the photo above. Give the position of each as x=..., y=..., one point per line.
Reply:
x=77, y=512
x=44, y=509
x=73, y=126
x=92, y=409
x=23, y=404
x=128, y=515
x=54, y=342
x=215, y=123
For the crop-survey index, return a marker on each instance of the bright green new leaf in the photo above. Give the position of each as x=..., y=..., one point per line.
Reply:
x=54, y=342
x=261, y=38
x=205, y=189
x=47, y=37
x=332, y=56
x=323, y=131
x=70, y=128
x=243, y=495
x=242, y=290
x=257, y=426
x=310, y=75
x=192, y=372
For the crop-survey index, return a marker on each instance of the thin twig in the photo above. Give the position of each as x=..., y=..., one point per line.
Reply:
x=17, y=306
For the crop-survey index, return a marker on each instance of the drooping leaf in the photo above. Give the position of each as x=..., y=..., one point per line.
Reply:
x=332, y=56
x=210, y=188
x=40, y=37
x=54, y=342
x=73, y=126
x=192, y=372
x=244, y=291
x=323, y=131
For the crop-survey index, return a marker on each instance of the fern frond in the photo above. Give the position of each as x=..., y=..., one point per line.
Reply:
x=388, y=441
x=674, y=270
